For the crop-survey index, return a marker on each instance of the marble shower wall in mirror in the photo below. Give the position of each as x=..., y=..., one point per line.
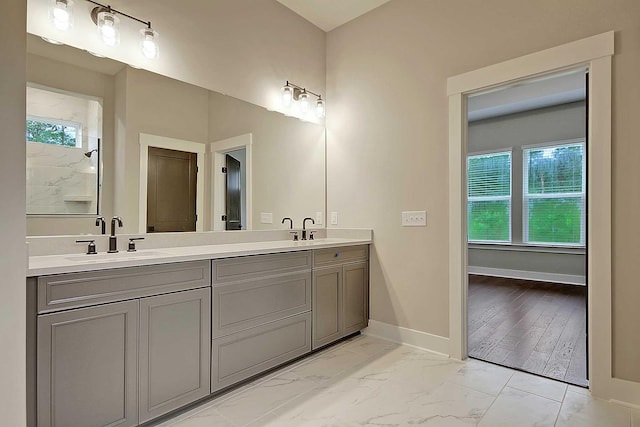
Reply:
x=288, y=155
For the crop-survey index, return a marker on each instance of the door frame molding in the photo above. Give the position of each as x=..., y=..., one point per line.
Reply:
x=595, y=55
x=218, y=149
x=147, y=141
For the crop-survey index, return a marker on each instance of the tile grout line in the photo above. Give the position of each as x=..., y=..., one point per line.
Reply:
x=496, y=397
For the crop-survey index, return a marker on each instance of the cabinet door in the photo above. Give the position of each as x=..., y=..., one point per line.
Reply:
x=355, y=297
x=175, y=335
x=327, y=306
x=87, y=367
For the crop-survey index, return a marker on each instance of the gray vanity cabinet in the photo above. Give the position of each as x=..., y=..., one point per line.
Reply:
x=261, y=314
x=87, y=367
x=125, y=362
x=340, y=293
x=174, y=353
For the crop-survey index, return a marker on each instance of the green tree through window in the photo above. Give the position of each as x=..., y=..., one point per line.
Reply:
x=51, y=133
x=554, y=194
x=489, y=197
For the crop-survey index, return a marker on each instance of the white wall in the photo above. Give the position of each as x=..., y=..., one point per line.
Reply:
x=12, y=212
x=388, y=131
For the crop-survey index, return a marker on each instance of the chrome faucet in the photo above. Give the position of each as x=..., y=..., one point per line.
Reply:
x=290, y=222
x=113, y=242
x=100, y=221
x=304, y=228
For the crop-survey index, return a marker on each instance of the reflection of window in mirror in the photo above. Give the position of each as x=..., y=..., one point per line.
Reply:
x=63, y=153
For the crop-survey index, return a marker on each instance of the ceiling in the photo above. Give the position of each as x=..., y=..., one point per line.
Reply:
x=530, y=95
x=329, y=14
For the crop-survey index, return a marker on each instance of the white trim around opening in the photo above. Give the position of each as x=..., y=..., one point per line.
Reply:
x=595, y=55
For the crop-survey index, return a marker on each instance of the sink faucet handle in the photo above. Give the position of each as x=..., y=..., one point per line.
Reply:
x=295, y=235
x=91, y=249
x=132, y=243
x=311, y=234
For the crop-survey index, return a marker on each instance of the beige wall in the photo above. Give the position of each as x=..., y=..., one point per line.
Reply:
x=152, y=104
x=243, y=48
x=387, y=138
x=287, y=162
x=60, y=75
x=12, y=212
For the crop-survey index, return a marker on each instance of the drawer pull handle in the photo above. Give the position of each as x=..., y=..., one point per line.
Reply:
x=337, y=255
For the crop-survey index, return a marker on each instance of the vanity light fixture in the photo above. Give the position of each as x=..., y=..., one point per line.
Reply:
x=61, y=14
x=107, y=19
x=292, y=92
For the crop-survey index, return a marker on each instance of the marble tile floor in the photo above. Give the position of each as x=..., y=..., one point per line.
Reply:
x=367, y=381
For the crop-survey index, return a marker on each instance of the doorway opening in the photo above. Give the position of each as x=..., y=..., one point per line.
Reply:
x=173, y=162
x=526, y=201
x=171, y=190
x=231, y=183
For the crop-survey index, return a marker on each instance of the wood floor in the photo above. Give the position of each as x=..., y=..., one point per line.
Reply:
x=537, y=327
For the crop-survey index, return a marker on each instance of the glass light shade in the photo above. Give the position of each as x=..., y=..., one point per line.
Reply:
x=320, y=108
x=61, y=14
x=108, y=27
x=287, y=95
x=149, y=43
x=304, y=102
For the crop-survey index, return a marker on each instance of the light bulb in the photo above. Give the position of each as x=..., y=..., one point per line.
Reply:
x=108, y=26
x=149, y=43
x=320, y=108
x=287, y=95
x=304, y=102
x=61, y=14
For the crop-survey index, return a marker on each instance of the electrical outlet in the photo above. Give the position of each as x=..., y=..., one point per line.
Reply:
x=334, y=218
x=318, y=218
x=414, y=219
x=266, y=218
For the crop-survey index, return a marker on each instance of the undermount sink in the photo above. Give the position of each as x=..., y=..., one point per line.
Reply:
x=118, y=256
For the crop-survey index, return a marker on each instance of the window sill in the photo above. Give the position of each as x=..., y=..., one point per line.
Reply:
x=521, y=247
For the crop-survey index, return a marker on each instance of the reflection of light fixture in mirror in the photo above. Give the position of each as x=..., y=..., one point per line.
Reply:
x=88, y=154
x=320, y=107
x=61, y=14
x=149, y=42
x=292, y=92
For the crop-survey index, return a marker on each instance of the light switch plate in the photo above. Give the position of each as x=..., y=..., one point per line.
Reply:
x=414, y=219
x=318, y=218
x=334, y=218
x=266, y=218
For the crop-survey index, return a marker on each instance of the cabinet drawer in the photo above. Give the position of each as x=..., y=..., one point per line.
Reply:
x=251, y=267
x=334, y=256
x=239, y=356
x=243, y=305
x=72, y=290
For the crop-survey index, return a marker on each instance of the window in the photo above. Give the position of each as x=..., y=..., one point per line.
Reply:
x=47, y=130
x=554, y=194
x=489, y=197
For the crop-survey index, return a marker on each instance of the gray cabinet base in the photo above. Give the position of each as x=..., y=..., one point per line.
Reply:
x=244, y=354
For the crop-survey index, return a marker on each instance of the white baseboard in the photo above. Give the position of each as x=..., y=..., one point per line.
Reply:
x=422, y=340
x=568, y=279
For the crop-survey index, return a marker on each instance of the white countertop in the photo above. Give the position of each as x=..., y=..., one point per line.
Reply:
x=72, y=263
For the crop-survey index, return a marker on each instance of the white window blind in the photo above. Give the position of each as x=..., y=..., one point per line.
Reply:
x=554, y=181
x=489, y=197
